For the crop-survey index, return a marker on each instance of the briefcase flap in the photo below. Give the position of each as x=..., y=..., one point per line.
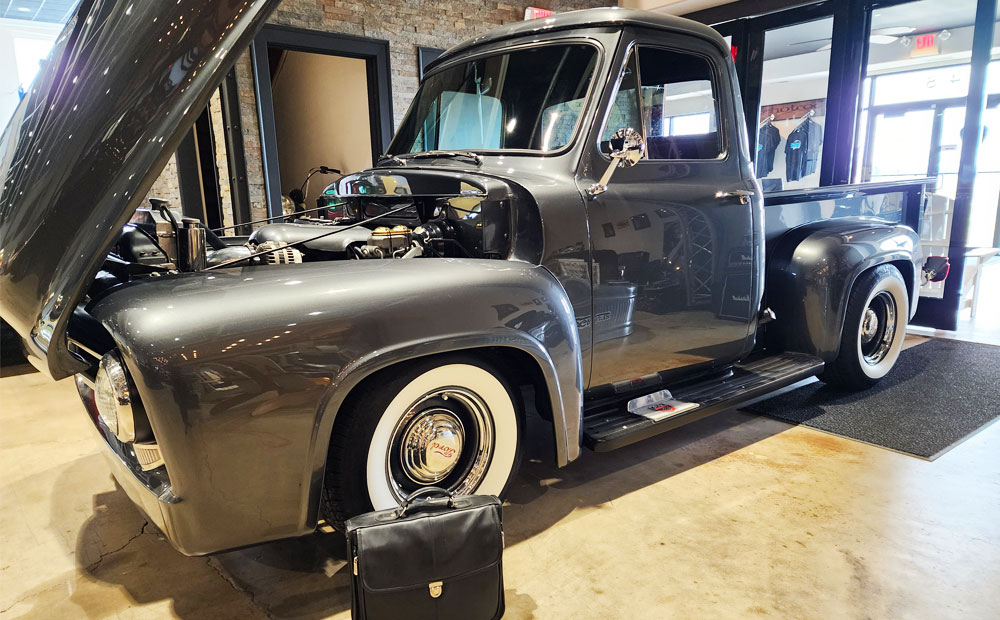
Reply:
x=429, y=546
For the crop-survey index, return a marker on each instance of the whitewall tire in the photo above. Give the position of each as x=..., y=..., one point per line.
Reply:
x=450, y=421
x=878, y=310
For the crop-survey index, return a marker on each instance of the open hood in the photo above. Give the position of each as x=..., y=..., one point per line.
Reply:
x=123, y=83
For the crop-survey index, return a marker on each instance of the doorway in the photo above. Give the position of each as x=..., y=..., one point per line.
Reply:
x=323, y=100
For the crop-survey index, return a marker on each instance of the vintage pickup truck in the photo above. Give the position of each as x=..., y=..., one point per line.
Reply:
x=566, y=220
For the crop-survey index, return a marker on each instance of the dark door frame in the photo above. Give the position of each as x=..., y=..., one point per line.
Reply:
x=427, y=55
x=374, y=52
x=197, y=177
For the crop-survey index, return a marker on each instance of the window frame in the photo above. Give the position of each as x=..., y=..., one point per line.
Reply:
x=715, y=88
x=722, y=123
x=633, y=57
x=506, y=48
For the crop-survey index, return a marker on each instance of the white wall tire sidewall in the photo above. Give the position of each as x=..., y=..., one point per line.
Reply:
x=895, y=287
x=474, y=378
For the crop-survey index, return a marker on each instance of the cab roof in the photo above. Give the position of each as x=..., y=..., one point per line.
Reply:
x=586, y=18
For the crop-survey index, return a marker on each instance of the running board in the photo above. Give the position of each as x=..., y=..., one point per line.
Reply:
x=612, y=427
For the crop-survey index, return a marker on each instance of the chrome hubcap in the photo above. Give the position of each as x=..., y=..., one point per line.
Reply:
x=869, y=325
x=446, y=439
x=878, y=328
x=432, y=444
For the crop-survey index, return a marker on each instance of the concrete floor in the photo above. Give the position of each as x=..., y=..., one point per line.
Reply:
x=736, y=516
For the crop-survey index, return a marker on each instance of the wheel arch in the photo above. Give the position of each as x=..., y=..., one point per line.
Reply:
x=813, y=268
x=521, y=359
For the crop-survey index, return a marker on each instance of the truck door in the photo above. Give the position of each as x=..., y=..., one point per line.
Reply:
x=671, y=238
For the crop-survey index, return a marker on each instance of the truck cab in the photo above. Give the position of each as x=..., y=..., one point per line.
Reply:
x=566, y=221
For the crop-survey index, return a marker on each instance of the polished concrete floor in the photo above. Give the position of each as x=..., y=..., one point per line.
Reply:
x=736, y=516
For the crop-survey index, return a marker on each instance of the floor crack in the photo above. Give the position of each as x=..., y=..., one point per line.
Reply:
x=214, y=565
x=27, y=596
x=95, y=565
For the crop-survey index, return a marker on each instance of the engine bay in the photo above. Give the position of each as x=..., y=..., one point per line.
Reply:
x=361, y=217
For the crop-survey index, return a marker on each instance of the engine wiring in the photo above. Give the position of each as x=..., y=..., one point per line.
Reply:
x=309, y=240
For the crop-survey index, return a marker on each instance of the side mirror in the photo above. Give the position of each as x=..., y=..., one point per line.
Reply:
x=627, y=148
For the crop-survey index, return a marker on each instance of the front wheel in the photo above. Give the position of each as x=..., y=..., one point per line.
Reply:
x=450, y=422
x=874, y=329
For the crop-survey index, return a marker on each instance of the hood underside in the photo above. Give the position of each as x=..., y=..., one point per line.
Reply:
x=123, y=83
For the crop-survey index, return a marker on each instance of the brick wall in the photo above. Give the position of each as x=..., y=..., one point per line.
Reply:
x=166, y=185
x=406, y=24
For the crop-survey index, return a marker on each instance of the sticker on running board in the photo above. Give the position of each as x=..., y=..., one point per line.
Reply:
x=659, y=405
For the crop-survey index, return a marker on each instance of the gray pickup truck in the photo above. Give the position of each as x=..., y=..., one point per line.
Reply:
x=567, y=221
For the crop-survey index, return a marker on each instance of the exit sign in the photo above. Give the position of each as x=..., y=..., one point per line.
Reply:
x=925, y=45
x=536, y=13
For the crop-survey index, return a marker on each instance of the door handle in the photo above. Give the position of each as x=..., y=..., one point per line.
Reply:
x=743, y=195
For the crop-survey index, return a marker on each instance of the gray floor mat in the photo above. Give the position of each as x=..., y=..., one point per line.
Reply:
x=939, y=393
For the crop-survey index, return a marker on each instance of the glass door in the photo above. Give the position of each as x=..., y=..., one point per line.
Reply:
x=900, y=145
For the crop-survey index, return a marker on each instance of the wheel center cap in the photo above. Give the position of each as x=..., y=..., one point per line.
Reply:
x=870, y=325
x=432, y=445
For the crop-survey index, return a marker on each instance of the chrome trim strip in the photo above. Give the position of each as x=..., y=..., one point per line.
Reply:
x=97, y=356
x=85, y=380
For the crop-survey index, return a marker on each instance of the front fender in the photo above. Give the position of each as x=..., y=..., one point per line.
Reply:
x=242, y=371
x=811, y=270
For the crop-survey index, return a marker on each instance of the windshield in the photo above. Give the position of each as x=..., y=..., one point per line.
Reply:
x=529, y=99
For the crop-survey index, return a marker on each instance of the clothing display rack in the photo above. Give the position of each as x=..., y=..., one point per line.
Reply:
x=805, y=117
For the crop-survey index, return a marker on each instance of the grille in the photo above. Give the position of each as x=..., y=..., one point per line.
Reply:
x=148, y=455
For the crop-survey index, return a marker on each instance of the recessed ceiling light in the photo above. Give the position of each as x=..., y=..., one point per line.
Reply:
x=23, y=8
x=894, y=30
x=883, y=39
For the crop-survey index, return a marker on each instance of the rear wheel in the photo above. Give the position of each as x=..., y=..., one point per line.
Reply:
x=450, y=421
x=874, y=329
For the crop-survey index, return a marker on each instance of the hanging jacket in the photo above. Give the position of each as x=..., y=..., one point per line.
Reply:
x=768, y=139
x=802, y=150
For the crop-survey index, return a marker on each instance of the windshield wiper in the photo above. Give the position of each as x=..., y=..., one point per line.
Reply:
x=430, y=154
x=388, y=157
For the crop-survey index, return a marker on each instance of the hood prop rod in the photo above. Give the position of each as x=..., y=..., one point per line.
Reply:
x=311, y=239
x=271, y=219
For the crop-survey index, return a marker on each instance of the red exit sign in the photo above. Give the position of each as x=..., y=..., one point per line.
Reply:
x=536, y=13
x=925, y=45
x=926, y=41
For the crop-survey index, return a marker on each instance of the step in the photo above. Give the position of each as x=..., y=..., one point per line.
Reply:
x=612, y=426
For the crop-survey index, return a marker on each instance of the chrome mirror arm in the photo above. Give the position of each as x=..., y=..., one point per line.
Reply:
x=602, y=185
x=632, y=149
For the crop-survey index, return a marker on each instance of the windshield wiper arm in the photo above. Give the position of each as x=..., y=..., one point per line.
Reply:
x=388, y=157
x=429, y=154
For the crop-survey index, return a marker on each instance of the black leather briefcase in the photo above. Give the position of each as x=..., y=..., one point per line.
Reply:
x=437, y=558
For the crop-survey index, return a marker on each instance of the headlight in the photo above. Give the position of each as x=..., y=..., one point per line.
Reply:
x=114, y=398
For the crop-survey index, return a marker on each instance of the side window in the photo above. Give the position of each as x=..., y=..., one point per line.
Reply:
x=625, y=109
x=679, y=105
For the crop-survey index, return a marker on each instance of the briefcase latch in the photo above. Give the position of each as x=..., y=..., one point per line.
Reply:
x=435, y=588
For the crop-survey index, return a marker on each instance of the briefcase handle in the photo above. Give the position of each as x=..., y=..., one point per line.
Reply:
x=411, y=502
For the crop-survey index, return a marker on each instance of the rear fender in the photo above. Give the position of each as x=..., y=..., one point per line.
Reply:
x=811, y=270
